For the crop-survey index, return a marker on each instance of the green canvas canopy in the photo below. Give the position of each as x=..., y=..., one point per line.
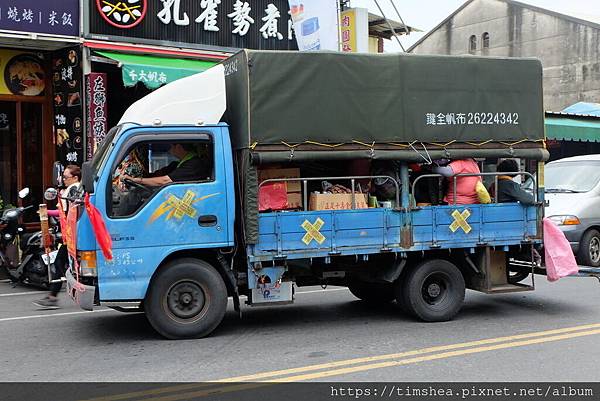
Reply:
x=325, y=98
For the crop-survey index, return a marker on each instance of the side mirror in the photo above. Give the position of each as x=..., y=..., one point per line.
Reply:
x=50, y=194
x=87, y=177
x=57, y=172
x=23, y=193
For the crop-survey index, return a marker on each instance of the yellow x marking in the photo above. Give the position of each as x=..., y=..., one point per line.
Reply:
x=178, y=208
x=312, y=231
x=460, y=221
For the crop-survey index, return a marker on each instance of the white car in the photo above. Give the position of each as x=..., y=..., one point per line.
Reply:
x=572, y=187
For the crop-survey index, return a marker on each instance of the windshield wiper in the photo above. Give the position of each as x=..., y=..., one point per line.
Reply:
x=562, y=190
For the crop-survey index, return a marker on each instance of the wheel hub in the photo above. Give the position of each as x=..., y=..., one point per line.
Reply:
x=595, y=249
x=185, y=300
x=434, y=290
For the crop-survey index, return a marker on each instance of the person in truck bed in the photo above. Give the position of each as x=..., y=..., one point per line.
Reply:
x=465, y=186
x=508, y=190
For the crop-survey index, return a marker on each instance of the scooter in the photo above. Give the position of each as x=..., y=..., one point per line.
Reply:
x=31, y=267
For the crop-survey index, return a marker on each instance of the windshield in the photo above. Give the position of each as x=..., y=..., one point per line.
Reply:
x=102, y=150
x=576, y=176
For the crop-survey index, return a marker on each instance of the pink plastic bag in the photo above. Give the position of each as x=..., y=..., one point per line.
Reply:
x=560, y=261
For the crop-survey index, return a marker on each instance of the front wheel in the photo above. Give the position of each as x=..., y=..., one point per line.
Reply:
x=589, y=249
x=434, y=290
x=187, y=299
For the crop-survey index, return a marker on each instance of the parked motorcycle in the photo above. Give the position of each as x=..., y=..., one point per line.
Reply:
x=23, y=259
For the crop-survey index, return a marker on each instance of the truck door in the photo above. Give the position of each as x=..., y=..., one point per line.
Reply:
x=166, y=192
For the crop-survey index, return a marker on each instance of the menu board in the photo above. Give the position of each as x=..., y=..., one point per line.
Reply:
x=68, y=110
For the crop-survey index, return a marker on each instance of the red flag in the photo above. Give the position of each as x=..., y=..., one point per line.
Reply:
x=99, y=227
x=61, y=217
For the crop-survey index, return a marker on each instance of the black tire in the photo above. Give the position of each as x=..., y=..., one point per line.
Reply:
x=433, y=291
x=377, y=293
x=589, y=249
x=517, y=275
x=187, y=299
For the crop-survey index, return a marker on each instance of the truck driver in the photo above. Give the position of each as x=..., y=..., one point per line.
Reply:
x=190, y=167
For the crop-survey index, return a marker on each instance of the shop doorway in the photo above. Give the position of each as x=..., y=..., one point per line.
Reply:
x=22, y=152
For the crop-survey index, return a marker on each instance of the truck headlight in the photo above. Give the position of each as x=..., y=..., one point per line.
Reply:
x=565, y=220
x=87, y=263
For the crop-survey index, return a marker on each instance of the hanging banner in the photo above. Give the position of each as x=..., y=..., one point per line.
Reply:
x=97, y=122
x=315, y=24
x=68, y=110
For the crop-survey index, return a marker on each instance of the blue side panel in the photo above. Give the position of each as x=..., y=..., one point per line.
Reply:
x=366, y=231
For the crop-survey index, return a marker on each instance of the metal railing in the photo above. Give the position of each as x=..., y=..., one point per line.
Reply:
x=352, y=180
x=455, y=177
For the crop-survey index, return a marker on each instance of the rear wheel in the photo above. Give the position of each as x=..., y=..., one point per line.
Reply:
x=187, y=299
x=589, y=249
x=371, y=292
x=434, y=290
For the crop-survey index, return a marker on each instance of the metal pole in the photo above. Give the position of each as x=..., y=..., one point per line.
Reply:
x=390, y=26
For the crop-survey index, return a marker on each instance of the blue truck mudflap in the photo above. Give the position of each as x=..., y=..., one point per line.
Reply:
x=83, y=295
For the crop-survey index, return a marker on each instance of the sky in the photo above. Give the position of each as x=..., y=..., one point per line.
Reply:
x=427, y=14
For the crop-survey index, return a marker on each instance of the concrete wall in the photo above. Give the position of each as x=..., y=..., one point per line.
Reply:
x=569, y=51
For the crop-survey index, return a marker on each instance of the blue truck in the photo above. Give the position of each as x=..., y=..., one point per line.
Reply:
x=180, y=250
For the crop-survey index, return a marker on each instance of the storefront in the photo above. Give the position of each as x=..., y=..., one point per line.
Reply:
x=132, y=47
x=570, y=134
x=40, y=88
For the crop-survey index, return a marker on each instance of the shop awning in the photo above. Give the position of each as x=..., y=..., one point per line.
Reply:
x=573, y=129
x=155, y=71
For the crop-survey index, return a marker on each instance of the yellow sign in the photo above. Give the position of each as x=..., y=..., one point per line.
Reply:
x=178, y=208
x=312, y=231
x=460, y=221
x=348, y=24
x=21, y=73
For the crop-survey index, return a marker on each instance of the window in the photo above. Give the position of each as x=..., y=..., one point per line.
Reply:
x=472, y=44
x=154, y=164
x=485, y=40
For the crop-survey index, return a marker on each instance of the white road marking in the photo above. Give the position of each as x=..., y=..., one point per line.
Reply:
x=22, y=293
x=7, y=319
x=312, y=291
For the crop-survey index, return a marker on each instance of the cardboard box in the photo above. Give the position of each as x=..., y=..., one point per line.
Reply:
x=336, y=201
x=292, y=186
x=294, y=200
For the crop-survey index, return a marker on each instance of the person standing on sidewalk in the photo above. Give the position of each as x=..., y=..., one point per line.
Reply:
x=71, y=180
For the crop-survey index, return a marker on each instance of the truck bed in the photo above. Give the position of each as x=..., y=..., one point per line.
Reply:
x=309, y=234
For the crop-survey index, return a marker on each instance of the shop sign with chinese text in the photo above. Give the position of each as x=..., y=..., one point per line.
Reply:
x=257, y=24
x=68, y=110
x=54, y=17
x=97, y=122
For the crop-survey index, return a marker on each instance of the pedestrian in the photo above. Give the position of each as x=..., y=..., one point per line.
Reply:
x=71, y=181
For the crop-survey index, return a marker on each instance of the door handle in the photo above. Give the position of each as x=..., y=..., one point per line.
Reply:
x=208, y=220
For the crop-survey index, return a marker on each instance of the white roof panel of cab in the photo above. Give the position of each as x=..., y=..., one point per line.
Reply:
x=197, y=99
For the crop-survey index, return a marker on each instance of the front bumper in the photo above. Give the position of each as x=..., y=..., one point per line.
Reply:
x=83, y=295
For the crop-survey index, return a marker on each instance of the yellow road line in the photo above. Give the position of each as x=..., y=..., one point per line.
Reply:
x=443, y=355
x=406, y=353
x=347, y=362
x=337, y=372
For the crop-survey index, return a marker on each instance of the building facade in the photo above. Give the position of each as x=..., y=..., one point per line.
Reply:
x=568, y=47
x=40, y=81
